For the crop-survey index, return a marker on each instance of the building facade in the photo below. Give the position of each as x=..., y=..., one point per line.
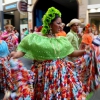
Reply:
x=93, y=10
x=83, y=11
x=68, y=8
x=13, y=16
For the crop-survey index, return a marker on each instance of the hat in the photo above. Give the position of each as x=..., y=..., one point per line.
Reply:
x=6, y=26
x=73, y=21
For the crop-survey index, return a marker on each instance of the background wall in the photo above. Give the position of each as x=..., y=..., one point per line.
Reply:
x=83, y=10
x=9, y=1
x=67, y=13
x=90, y=2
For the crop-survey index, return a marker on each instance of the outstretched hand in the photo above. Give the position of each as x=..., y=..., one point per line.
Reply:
x=87, y=48
x=16, y=54
x=13, y=55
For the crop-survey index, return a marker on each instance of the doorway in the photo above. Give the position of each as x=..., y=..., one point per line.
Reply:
x=94, y=19
x=68, y=8
x=9, y=18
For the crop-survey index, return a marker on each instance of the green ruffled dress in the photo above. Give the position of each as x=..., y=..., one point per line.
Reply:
x=39, y=47
x=53, y=76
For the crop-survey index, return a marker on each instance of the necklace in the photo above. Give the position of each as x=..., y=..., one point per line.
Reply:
x=51, y=35
x=53, y=46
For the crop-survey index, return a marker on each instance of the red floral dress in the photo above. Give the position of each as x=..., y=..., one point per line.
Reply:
x=11, y=40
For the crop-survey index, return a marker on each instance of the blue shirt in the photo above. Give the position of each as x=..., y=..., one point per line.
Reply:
x=4, y=49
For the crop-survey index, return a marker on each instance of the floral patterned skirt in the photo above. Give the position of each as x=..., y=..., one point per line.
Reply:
x=15, y=80
x=97, y=64
x=48, y=80
x=63, y=80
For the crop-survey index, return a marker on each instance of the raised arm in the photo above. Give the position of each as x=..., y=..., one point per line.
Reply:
x=6, y=35
x=77, y=53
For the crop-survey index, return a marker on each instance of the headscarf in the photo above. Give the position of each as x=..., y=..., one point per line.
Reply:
x=48, y=17
x=9, y=26
x=87, y=38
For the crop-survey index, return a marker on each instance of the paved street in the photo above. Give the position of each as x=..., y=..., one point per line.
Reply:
x=96, y=95
x=27, y=64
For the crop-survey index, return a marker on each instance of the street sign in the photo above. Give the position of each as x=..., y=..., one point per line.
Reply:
x=22, y=6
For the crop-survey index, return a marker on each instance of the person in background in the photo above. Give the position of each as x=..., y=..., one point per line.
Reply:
x=54, y=77
x=96, y=34
x=91, y=32
x=72, y=36
x=39, y=29
x=10, y=38
x=22, y=33
x=31, y=30
x=16, y=32
x=26, y=32
x=90, y=38
x=62, y=32
x=12, y=75
x=87, y=37
x=35, y=28
x=88, y=74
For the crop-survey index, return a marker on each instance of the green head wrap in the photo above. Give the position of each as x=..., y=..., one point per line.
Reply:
x=47, y=19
